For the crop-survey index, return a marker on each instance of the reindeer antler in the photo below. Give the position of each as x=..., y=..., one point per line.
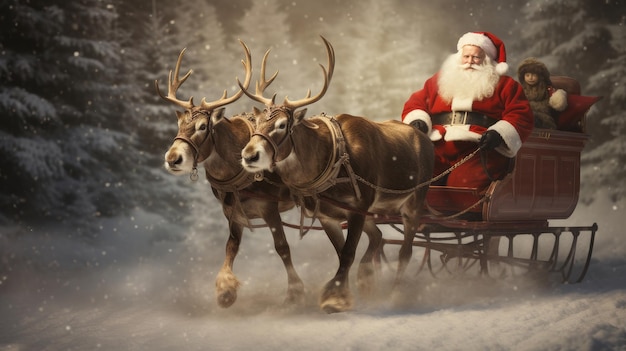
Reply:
x=174, y=83
x=261, y=85
x=247, y=65
x=327, y=77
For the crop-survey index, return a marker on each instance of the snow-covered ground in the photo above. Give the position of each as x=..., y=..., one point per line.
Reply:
x=144, y=284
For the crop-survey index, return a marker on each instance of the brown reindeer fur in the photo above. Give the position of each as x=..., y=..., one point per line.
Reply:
x=205, y=135
x=219, y=151
x=390, y=155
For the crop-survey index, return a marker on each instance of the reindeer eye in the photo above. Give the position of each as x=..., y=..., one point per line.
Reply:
x=202, y=127
x=282, y=125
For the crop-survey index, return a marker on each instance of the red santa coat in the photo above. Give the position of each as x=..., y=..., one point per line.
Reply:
x=508, y=106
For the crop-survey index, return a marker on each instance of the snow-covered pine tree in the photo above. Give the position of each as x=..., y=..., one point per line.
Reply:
x=584, y=39
x=60, y=111
x=156, y=36
x=605, y=164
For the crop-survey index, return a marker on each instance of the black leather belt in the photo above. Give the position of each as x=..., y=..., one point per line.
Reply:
x=463, y=117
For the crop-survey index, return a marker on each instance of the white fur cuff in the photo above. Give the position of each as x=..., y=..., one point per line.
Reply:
x=512, y=141
x=558, y=100
x=419, y=115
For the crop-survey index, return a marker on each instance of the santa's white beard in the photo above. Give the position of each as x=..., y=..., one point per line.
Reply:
x=457, y=82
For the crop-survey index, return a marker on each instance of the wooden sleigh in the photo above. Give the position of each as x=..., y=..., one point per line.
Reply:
x=543, y=184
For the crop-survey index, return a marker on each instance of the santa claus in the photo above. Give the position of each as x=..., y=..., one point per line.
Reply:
x=471, y=103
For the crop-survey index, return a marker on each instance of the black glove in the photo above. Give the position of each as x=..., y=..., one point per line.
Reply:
x=490, y=140
x=421, y=125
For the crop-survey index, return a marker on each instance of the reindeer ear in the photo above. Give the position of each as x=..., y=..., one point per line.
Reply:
x=256, y=113
x=217, y=115
x=299, y=118
x=179, y=114
x=299, y=115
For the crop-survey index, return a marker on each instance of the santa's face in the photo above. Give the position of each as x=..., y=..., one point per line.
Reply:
x=531, y=78
x=467, y=75
x=472, y=56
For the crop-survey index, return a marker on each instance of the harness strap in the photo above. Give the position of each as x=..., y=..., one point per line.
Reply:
x=196, y=150
x=300, y=202
x=233, y=185
x=194, y=170
x=339, y=157
x=240, y=180
x=272, y=143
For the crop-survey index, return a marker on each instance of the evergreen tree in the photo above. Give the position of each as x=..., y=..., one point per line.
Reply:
x=605, y=165
x=61, y=117
x=156, y=36
x=385, y=63
x=584, y=39
x=370, y=48
x=569, y=36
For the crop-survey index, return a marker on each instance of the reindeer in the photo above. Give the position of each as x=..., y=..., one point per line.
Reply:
x=206, y=136
x=326, y=160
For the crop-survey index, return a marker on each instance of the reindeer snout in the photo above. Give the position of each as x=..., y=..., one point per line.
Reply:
x=173, y=160
x=254, y=157
x=176, y=162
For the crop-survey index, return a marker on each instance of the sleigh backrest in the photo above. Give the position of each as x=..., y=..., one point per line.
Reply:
x=569, y=84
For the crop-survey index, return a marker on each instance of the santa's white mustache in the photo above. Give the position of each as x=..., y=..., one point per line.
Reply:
x=474, y=66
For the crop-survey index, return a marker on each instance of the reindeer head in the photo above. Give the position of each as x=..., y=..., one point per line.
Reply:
x=195, y=123
x=273, y=125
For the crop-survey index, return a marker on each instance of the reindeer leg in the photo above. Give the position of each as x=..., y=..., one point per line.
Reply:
x=335, y=235
x=336, y=296
x=366, y=275
x=226, y=283
x=406, y=251
x=410, y=219
x=295, y=286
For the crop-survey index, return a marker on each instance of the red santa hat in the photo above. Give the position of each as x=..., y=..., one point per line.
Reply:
x=492, y=45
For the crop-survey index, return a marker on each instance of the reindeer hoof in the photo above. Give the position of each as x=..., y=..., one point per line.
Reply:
x=336, y=305
x=330, y=309
x=227, y=298
x=335, y=298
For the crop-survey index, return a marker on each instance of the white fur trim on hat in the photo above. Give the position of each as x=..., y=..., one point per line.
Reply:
x=502, y=68
x=480, y=40
x=492, y=45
